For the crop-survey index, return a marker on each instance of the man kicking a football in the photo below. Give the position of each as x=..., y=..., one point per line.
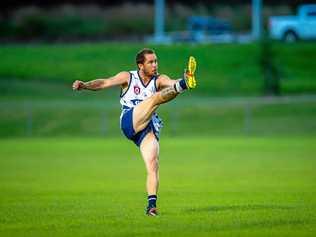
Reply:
x=142, y=91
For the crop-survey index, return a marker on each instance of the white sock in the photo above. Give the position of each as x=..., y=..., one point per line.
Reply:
x=180, y=86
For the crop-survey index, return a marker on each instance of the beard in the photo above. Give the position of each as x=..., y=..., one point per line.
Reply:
x=151, y=72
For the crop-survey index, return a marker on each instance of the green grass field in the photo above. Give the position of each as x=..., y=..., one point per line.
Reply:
x=245, y=168
x=209, y=187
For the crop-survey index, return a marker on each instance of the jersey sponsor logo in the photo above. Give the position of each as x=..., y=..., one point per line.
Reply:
x=136, y=101
x=136, y=90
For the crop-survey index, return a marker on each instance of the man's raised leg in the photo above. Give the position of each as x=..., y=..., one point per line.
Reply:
x=144, y=110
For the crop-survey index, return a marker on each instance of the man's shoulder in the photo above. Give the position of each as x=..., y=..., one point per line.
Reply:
x=123, y=75
x=122, y=78
x=162, y=77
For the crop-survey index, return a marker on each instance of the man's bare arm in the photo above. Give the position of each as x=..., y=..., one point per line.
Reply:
x=120, y=79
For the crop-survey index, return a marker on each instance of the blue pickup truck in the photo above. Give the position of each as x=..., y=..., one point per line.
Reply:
x=293, y=28
x=204, y=29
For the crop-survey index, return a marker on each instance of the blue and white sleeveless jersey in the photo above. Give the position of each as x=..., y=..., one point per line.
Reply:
x=137, y=92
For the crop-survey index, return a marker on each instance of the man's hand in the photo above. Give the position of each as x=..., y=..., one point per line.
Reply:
x=78, y=85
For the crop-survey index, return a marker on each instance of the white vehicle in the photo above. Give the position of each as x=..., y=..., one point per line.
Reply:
x=293, y=28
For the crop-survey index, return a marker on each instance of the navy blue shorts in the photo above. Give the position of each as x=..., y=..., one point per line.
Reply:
x=128, y=129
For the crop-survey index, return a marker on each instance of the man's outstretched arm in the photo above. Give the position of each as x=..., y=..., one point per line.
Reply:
x=120, y=79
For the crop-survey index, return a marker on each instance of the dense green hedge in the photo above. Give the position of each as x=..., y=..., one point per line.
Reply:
x=222, y=69
x=69, y=28
x=128, y=21
x=75, y=22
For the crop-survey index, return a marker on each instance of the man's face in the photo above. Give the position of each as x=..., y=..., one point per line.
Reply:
x=150, y=65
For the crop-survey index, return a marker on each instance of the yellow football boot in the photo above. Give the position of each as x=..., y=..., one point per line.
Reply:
x=189, y=73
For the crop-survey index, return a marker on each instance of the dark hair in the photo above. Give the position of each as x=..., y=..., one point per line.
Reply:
x=140, y=56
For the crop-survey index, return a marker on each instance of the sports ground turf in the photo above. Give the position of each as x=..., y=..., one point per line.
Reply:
x=226, y=184
x=209, y=187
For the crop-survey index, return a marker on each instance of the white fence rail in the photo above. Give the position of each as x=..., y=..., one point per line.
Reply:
x=184, y=116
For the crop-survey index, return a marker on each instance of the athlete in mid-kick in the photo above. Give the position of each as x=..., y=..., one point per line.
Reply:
x=142, y=91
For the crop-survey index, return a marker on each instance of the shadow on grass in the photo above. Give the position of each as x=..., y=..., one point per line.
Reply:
x=238, y=224
x=264, y=224
x=241, y=208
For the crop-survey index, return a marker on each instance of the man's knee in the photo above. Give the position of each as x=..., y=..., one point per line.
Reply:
x=155, y=99
x=153, y=165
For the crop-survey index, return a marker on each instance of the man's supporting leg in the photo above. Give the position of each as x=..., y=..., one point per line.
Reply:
x=149, y=149
x=144, y=110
